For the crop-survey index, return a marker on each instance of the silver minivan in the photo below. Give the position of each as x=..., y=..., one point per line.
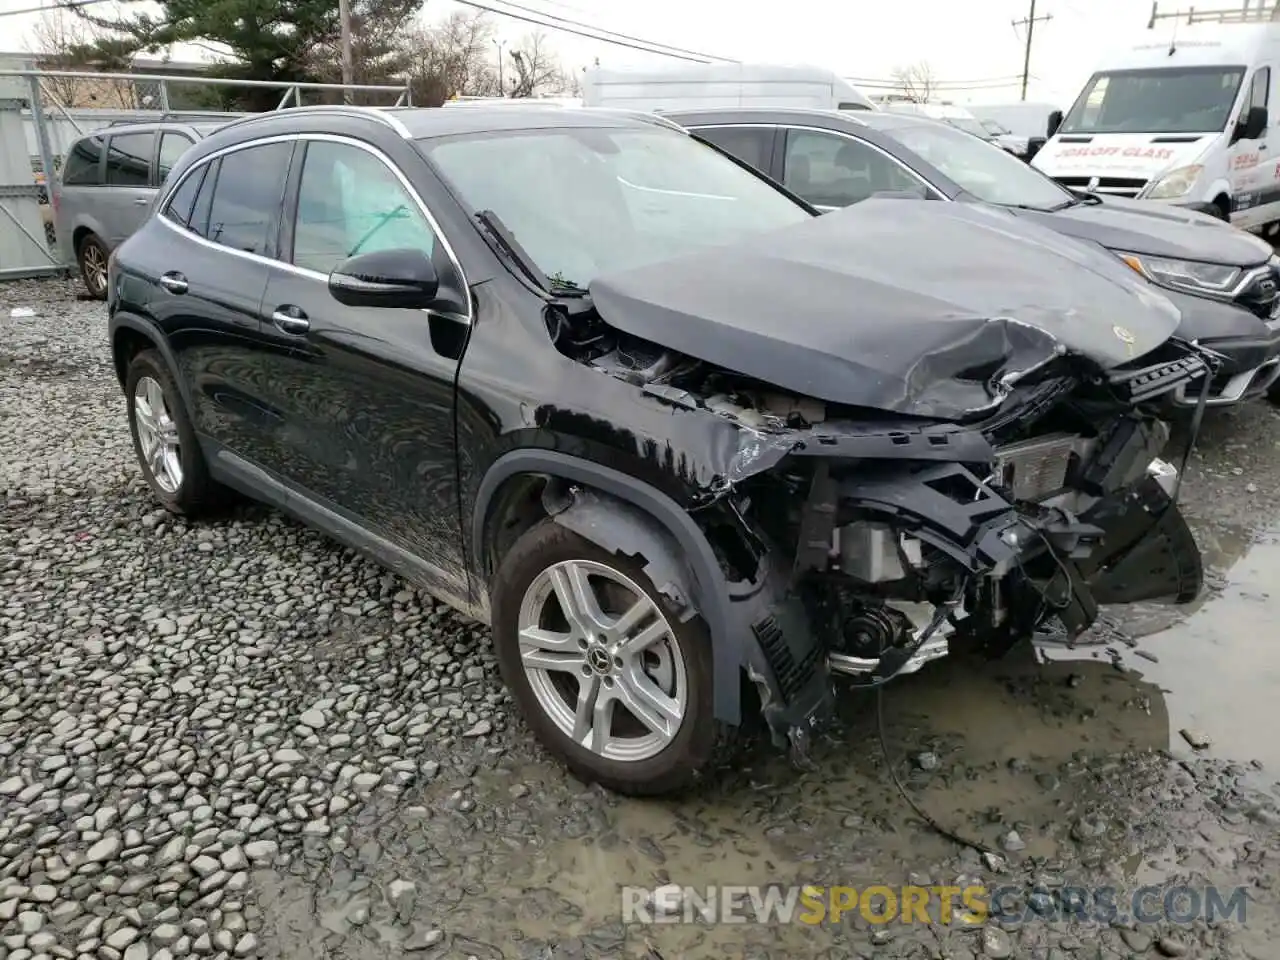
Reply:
x=107, y=183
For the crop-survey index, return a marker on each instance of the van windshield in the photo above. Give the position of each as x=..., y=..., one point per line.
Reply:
x=1160, y=100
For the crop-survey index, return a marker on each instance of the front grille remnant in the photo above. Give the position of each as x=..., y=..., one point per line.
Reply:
x=1159, y=378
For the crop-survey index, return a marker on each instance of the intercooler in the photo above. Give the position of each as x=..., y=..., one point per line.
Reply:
x=1038, y=468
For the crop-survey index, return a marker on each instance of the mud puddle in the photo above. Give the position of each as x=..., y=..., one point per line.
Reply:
x=1060, y=766
x=1219, y=669
x=1068, y=763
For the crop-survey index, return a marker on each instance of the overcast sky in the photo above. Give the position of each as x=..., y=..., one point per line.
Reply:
x=972, y=43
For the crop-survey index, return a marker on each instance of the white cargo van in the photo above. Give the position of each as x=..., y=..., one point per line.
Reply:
x=709, y=85
x=1182, y=116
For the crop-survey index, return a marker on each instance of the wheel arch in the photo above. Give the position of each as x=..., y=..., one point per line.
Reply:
x=622, y=515
x=130, y=335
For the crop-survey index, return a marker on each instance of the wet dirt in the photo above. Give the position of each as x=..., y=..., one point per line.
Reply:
x=1069, y=762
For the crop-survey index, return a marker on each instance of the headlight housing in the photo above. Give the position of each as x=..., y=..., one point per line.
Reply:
x=1176, y=183
x=1188, y=276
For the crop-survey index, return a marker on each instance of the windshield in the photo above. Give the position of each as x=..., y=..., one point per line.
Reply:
x=586, y=201
x=980, y=168
x=1162, y=100
x=968, y=125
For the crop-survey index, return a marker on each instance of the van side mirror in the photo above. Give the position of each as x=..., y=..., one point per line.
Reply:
x=1251, y=125
x=1055, y=121
x=403, y=278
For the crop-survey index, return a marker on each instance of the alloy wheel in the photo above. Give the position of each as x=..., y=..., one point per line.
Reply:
x=157, y=435
x=95, y=267
x=602, y=660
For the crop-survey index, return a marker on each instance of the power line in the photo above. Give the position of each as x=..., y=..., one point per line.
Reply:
x=613, y=33
x=1029, y=22
x=701, y=58
x=61, y=5
x=874, y=81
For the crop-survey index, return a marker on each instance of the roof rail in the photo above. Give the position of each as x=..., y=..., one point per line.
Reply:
x=1237, y=14
x=349, y=110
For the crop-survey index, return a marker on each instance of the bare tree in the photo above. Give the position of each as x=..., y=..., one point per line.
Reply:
x=537, y=68
x=64, y=42
x=916, y=82
x=450, y=58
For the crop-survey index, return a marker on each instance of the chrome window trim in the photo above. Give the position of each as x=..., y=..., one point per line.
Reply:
x=162, y=205
x=938, y=194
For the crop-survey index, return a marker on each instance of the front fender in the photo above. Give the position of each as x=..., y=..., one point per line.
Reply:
x=649, y=519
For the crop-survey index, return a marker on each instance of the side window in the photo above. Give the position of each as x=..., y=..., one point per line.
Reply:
x=246, y=197
x=350, y=202
x=129, y=159
x=172, y=146
x=749, y=144
x=179, y=207
x=82, y=164
x=834, y=171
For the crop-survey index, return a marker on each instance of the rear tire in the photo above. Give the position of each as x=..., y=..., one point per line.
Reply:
x=576, y=680
x=165, y=441
x=92, y=257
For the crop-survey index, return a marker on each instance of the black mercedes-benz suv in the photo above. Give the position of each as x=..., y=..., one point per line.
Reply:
x=688, y=447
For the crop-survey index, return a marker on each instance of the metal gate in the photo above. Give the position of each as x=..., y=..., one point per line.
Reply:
x=36, y=129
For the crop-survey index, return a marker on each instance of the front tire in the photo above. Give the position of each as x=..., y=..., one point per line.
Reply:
x=92, y=255
x=164, y=440
x=606, y=675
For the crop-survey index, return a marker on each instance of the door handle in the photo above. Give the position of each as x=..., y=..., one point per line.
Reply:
x=291, y=320
x=140, y=201
x=174, y=282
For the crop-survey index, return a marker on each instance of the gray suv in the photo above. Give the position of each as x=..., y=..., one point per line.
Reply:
x=107, y=183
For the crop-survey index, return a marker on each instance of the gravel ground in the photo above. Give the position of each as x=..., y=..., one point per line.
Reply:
x=237, y=739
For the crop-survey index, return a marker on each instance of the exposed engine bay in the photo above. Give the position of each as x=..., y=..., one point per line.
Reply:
x=900, y=537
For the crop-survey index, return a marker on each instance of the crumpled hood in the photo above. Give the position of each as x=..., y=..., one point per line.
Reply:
x=910, y=306
x=1156, y=229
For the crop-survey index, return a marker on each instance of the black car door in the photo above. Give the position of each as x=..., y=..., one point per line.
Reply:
x=367, y=398
x=211, y=245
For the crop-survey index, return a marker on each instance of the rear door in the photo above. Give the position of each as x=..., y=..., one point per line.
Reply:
x=367, y=393
x=126, y=193
x=211, y=246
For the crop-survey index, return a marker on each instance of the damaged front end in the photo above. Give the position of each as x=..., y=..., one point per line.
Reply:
x=865, y=548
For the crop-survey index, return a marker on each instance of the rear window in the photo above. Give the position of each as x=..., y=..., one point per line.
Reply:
x=81, y=166
x=129, y=159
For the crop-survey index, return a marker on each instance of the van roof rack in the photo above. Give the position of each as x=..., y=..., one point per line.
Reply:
x=1261, y=11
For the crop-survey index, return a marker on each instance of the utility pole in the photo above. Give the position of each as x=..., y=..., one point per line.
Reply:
x=348, y=70
x=502, y=90
x=1030, y=23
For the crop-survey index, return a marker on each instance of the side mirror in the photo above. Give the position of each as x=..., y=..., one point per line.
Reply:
x=1251, y=125
x=1055, y=121
x=1033, y=147
x=403, y=278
